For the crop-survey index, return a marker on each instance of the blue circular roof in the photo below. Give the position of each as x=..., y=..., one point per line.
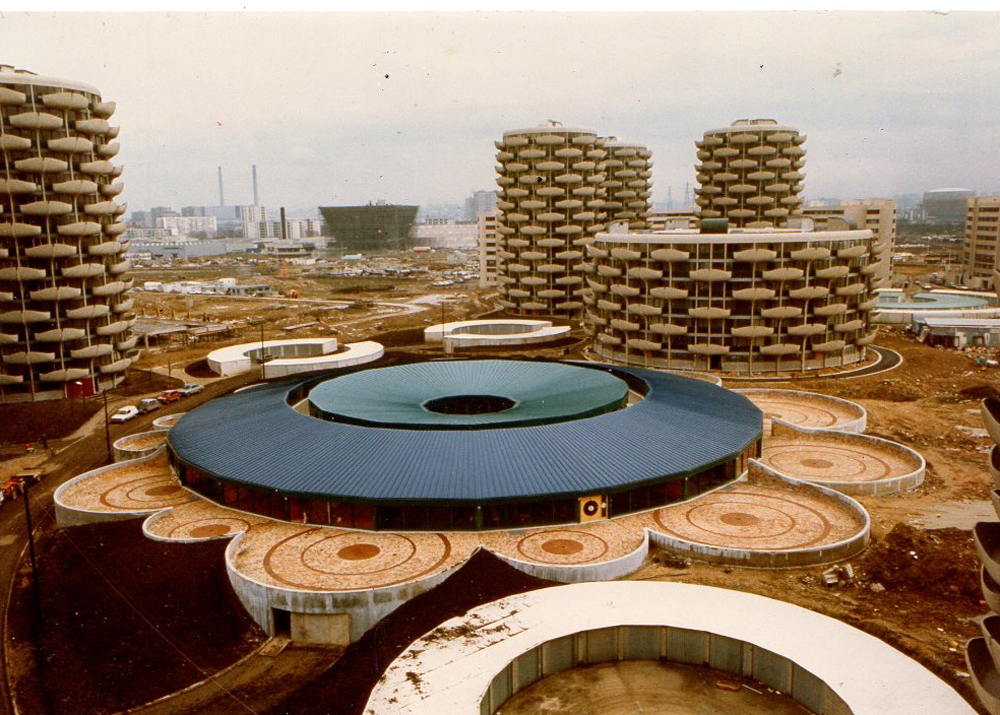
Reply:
x=405, y=395
x=255, y=438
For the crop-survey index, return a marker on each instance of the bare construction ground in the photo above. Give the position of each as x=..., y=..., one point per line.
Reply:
x=648, y=687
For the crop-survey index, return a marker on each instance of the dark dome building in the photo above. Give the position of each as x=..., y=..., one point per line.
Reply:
x=465, y=445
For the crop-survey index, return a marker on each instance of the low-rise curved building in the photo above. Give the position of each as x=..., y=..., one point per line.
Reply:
x=465, y=445
x=742, y=301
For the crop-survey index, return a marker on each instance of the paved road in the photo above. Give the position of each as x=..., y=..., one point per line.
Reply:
x=79, y=455
x=888, y=360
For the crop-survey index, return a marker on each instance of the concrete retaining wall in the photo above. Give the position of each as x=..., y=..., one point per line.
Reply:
x=579, y=573
x=879, y=487
x=364, y=608
x=69, y=516
x=662, y=643
x=776, y=559
x=123, y=453
x=857, y=425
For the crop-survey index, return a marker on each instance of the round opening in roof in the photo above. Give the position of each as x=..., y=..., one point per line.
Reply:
x=469, y=404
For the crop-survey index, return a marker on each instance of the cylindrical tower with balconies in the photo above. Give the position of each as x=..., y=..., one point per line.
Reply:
x=628, y=171
x=750, y=301
x=551, y=204
x=65, y=312
x=751, y=173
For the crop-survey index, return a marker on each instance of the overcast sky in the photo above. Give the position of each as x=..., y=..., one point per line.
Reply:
x=347, y=108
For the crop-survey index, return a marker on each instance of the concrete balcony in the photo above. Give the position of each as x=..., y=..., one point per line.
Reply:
x=83, y=270
x=91, y=351
x=709, y=313
x=812, y=253
x=787, y=273
x=11, y=97
x=831, y=309
x=809, y=292
x=76, y=187
x=830, y=346
x=754, y=294
x=780, y=349
x=41, y=165
x=21, y=273
x=51, y=250
x=38, y=121
x=56, y=293
x=752, y=331
x=65, y=375
x=807, y=329
x=781, y=311
x=88, y=312
x=832, y=272
x=71, y=145
x=32, y=357
x=46, y=208
x=79, y=228
x=60, y=335
x=708, y=349
x=16, y=186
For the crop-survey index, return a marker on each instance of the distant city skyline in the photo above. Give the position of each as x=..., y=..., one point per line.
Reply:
x=351, y=108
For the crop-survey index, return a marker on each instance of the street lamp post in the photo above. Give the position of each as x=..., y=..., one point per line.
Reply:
x=31, y=543
x=107, y=425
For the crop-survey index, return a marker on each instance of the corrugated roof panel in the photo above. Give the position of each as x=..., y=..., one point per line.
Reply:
x=254, y=437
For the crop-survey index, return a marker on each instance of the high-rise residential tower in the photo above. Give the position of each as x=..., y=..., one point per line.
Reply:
x=750, y=173
x=551, y=204
x=981, y=245
x=628, y=181
x=65, y=311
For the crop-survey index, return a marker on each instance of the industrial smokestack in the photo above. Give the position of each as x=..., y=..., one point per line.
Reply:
x=256, y=196
x=222, y=195
x=284, y=226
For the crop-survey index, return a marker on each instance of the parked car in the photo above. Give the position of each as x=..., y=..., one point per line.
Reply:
x=14, y=486
x=191, y=388
x=124, y=414
x=148, y=404
x=169, y=396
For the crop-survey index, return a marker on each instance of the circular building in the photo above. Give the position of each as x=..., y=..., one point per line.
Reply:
x=743, y=301
x=65, y=312
x=550, y=204
x=750, y=173
x=465, y=445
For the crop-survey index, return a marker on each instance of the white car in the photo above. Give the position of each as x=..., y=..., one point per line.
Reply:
x=192, y=388
x=124, y=414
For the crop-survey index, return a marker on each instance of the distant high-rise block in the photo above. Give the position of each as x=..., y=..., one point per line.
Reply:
x=750, y=173
x=65, y=311
x=374, y=228
x=628, y=182
x=551, y=204
x=981, y=245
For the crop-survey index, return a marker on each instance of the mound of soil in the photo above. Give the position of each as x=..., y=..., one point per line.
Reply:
x=344, y=689
x=124, y=619
x=939, y=561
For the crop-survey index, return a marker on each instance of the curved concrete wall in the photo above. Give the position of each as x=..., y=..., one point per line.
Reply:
x=857, y=425
x=879, y=487
x=292, y=356
x=69, y=516
x=580, y=573
x=775, y=559
x=364, y=608
x=123, y=452
x=471, y=664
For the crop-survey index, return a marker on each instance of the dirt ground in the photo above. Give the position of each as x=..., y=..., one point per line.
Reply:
x=638, y=687
x=24, y=422
x=169, y=619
